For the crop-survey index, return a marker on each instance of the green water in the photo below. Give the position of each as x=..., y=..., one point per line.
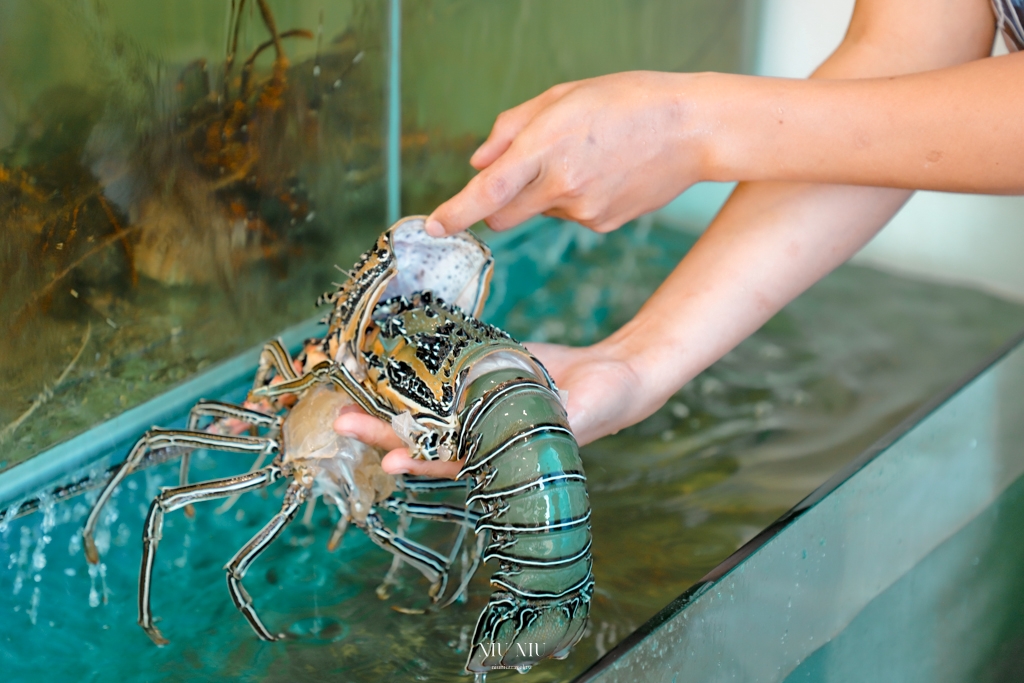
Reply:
x=672, y=497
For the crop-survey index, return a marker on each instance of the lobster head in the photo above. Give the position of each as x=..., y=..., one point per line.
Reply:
x=406, y=261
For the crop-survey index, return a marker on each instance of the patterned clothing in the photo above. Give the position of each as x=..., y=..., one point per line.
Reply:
x=1010, y=16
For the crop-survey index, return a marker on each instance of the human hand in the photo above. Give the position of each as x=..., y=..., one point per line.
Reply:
x=599, y=152
x=604, y=391
x=354, y=422
x=604, y=395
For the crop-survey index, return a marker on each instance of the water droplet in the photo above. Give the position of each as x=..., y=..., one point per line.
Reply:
x=33, y=610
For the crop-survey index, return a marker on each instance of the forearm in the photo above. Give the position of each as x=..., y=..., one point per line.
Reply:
x=769, y=243
x=957, y=129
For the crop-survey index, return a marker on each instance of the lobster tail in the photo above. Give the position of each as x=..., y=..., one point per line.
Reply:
x=531, y=490
x=517, y=633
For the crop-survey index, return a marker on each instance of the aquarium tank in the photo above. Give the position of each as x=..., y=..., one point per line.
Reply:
x=180, y=181
x=177, y=182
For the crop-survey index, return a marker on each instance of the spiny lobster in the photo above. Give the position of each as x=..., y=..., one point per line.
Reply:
x=404, y=342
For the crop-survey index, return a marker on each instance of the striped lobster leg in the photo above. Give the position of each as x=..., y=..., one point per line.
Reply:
x=323, y=373
x=435, y=566
x=436, y=512
x=217, y=411
x=296, y=494
x=159, y=445
x=171, y=499
x=529, y=482
x=432, y=564
x=274, y=356
x=408, y=508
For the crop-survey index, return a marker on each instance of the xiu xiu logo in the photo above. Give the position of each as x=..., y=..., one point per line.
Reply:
x=499, y=651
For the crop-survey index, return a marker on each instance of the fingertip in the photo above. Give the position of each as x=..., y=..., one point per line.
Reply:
x=397, y=461
x=484, y=156
x=344, y=426
x=474, y=160
x=434, y=228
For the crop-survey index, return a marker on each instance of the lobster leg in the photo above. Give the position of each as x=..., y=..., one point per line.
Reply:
x=171, y=499
x=167, y=442
x=383, y=590
x=342, y=377
x=430, y=563
x=219, y=410
x=405, y=510
x=239, y=564
x=318, y=374
x=324, y=372
x=274, y=356
x=440, y=512
x=435, y=512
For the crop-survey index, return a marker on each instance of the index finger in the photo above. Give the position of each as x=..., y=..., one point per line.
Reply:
x=489, y=191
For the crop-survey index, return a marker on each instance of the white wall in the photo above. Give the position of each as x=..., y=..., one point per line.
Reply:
x=974, y=240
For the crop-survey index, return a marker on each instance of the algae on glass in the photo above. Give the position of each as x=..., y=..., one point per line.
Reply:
x=175, y=186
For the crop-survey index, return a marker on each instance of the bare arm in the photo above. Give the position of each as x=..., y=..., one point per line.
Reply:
x=772, y=240
x=604, y=152
x=899, y=104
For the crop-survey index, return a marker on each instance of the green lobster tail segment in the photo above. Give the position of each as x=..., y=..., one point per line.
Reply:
x=531, y=490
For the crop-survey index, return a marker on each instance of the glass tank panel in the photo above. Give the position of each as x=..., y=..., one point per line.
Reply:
x=907, y=570
x=177, y=181
x=464, y=62
x=955, y=616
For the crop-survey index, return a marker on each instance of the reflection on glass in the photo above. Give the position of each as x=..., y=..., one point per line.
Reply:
x=176, y=182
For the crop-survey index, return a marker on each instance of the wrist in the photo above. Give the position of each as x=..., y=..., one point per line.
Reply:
x=722, y=124
x=701, y=103
x=653, y=364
